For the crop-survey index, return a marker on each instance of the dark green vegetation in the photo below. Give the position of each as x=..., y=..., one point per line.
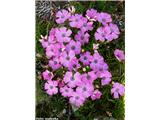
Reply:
x=102, y=109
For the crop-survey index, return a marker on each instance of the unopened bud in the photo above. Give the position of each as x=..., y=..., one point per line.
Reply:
x=84, y=69
x=38, y=55
x=95, y=46
x=82, y=50
x=71, y=9
x=92, y=20
x=96, y=86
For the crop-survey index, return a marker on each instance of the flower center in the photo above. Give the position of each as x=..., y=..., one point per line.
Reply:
x=66, y=90
x=72, y=78
x=117, y=90
x=85, y=24
x=103, y=35
x=95, y=61
x=88, y=77
x=77, y=97
x=84, y=89
x=73, y=47
x=82, y=37
x=55, y=62
x=100, y=69
x=51, y=87
x=103, y=78
x=85, y=58
x=74, y=66
x=62, y=16
x=52, y=50
x=76, y=20
x=67, y=58
x=60, y=50
x=63, y=35
x=103, y=20
x=50, y=74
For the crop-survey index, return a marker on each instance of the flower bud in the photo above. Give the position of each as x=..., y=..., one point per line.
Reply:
x=95, y=46
x=71, y=9
x=84, y=69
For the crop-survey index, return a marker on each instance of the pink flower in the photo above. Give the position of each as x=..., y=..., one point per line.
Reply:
x=104, y=18
x=114, y=32
x=86, y=26
x=101, y=69
x=74, y=46
x=54, y=63
x=96, y=61
x=74, y=64
x=102, y=33
x=51, y=87
x=82, y=37
x=54, y=50
x=52, y=37
x=62, y=16
x=89, y=77
x=106, y=78
x=96, y=95
x=63, y=34
x=66, y=91
x=77, y=99
x=117, y=90
x=44, y=41
x=66, y=58
x=76, y=21
x=85, y=89
x=72, y=80
x=52, y=31
x=119, y=54
x=50, y=51
x=58, y=49
x=60, y=83
x=85, y=58
x=92, y=14
x=47, y=75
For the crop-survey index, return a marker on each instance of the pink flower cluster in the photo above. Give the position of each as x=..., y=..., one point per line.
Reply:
x=64, y=50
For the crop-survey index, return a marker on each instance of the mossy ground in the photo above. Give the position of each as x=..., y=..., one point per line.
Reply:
x=47, y=106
